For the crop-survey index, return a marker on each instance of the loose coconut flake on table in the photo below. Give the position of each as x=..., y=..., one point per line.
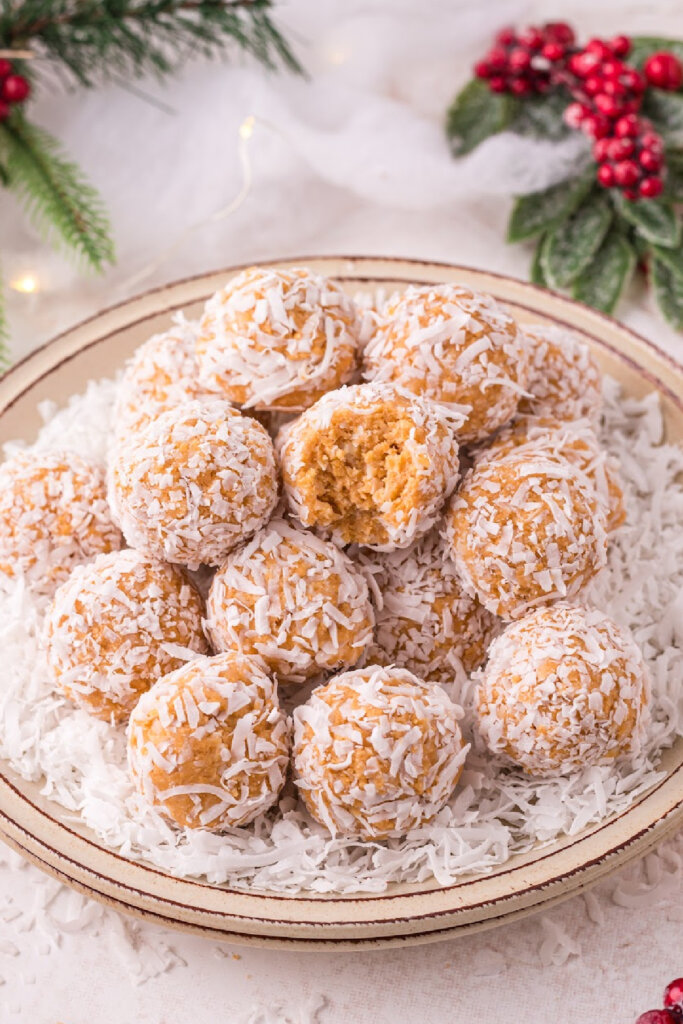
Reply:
x=81, y=763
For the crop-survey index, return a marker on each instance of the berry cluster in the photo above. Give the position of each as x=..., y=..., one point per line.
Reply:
x=606, y=96
x=14, y=88
x=521, y=63
x=673, y=1006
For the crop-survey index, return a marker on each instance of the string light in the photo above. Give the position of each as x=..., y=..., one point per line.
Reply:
x=27, y=284
x=244, y=133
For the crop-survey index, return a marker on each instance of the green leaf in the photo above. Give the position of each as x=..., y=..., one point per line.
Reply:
x=536, y=274
x=653, y=219
x=475, y=114
x=61, y=203
x=674, y=175
x=571, y=246
x=665, y=110
x=643, y=47
x=537, y=212
x=541, y=117
x=672, y=259
x=602, y=283
x=669, y=294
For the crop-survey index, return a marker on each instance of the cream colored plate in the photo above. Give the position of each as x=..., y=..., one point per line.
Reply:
x=406, y=913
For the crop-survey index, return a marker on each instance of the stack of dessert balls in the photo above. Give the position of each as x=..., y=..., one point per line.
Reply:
x=357, y=510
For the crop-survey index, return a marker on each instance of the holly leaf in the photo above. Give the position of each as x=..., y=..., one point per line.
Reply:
x=672, y=259
x=475, y=114
x=643, y=47
x=669, y=293
x=674, y=175
x=571, y=246
x=536, y=274
x=541, y=117
x=654, y=219
x=538, y=212
x=602, y=282
x=665, y=110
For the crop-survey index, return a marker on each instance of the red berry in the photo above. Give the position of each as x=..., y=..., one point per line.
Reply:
x=601, y=150
x=650, y=188
x=595, y=126
x=519, y=59
x=626, y=173
x=4, y=111
x=650, y=161
x=656, y=1017
x=650, y=140
x=497, y=58
x=630, y=194
x=673, y=995
x=482, y=69
x=521, y=86
x=559, y=32
x=553, y=52
x=620, y=46
x=613, y=87
x=15, y=89
x=506, y=37
x=627, y=125
x=633, y=80
x=498, y=84
x=593, y=85
x=664, y=70
x=5, y=67
x=532, y=37
x=621, y=149
x=583, y=64
x=575, y=113
x=606, y=175
x=599, y=48
x=611, y=68
x=608, y=105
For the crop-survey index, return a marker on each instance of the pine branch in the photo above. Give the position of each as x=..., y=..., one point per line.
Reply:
x=96, y=40
x=62, y=205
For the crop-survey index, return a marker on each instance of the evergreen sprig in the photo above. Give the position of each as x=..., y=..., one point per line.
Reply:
x=62, y=205
x=99, y=39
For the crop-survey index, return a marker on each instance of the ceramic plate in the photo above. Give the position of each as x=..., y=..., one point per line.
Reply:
x=405, y=913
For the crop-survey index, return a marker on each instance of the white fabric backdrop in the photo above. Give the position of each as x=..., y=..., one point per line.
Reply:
x=352, y=161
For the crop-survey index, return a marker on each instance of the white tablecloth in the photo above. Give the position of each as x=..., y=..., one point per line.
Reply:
x=351, y=161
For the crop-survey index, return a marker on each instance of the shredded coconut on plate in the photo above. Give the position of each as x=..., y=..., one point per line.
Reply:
x=492, y=814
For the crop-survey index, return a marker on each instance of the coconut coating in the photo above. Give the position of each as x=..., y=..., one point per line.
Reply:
x=208, y=746
x=452, y=345
x=564, y=688
x=426, y=622
x=196, y=482
x=526, y=530
x=294, y=600
x=277, y=339
x=53, y=516
x=161, y=374
x=116, y=626
x=377, y=752
x=575, y=441
x=564, y=379
x=371, y=463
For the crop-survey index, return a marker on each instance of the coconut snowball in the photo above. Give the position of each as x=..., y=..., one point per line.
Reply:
x=116, y=626
x=371, y=463
x=209, y=744
x=456, y=346
x=564, y=379
x=575, y=441
x=196, y=482
x=526, y=530
x=564, y=688
x=426, y=622
x=277, y=339
x=53, y=516
x=161, y=374
x=294, y=600
x=377, y=752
